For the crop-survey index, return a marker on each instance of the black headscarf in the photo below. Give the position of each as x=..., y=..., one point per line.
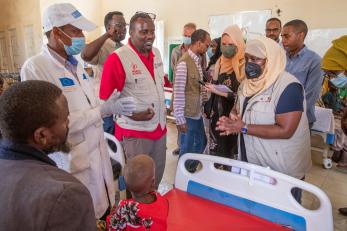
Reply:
x=216, y=54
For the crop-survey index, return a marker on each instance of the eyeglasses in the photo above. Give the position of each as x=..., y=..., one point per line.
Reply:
x=120, y=25
x=151, y=15
x=272, y=30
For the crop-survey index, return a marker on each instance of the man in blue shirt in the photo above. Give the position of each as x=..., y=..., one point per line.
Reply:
x=303, y=63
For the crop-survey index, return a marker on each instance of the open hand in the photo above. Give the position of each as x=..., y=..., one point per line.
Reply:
x=209, y=87
x=183, y=128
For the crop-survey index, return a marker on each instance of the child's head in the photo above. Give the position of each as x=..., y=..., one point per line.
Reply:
x=139, y=174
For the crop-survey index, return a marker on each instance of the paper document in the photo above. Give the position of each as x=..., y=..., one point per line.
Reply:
x=223, y=88
x=324, y=120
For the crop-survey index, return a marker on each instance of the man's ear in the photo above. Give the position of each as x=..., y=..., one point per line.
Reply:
x=302, y=36
x=56, y=33
x=40, y=136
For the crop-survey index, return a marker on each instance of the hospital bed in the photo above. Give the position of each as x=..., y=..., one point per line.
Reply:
x=248, y=197
x=168, y=96
x=325, y=128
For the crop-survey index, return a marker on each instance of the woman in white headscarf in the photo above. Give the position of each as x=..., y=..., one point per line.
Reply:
x=270, y=113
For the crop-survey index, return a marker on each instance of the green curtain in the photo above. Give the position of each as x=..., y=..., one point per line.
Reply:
x=171, y=46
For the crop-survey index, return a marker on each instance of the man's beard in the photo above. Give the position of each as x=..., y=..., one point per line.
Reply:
x=273, y=37
x=65, y=148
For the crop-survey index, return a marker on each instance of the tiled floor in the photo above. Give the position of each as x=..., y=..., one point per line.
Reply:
x=332, y=182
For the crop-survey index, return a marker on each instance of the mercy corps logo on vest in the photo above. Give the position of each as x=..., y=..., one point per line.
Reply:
x=135, y=70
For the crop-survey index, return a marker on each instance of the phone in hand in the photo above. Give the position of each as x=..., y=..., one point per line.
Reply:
x=201, y=82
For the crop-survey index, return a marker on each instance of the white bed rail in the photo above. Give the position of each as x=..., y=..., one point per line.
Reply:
x=119, y=154
x=257, y=184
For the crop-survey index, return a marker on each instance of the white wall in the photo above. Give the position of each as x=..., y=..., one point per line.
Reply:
x=175, y=13
x=16, y=14
x=20, y=15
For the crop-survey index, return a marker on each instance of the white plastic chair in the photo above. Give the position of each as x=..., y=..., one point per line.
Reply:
x=119, y=154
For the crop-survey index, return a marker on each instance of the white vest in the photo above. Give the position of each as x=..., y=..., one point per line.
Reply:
x=290, y=156
x=89, y=160
x=140, y=85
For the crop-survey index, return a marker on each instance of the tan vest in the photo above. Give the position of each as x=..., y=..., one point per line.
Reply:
x=140, y=85
x=290, y=156
x=193, y=89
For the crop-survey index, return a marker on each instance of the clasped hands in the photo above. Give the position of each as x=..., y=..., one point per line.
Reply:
x=230, y=125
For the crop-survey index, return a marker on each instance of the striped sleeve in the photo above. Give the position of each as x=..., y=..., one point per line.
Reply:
x=179, y=93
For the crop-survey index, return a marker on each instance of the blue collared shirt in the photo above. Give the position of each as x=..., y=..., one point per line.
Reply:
x=305, y=66
x=70, y=63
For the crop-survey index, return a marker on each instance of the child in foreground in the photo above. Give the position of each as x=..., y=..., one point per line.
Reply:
x=147, y=209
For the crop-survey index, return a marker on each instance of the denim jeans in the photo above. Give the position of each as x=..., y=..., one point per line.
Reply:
x=108, y=125
x=193, y=141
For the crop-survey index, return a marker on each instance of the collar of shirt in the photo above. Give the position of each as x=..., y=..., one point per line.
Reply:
x=115, y=45
x=70, y=63
x=197, y=60
x=299, y=54
x=57, y=57
x=194, y=56
x=118, y=45
x=14, y=151
x=70, y=59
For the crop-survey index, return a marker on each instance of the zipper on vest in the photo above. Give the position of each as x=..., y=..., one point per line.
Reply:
x=87, y=98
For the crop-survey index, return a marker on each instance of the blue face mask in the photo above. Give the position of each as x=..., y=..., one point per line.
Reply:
x=187, y=40
x=77, y=45
x=340, y=81
x=209, y=52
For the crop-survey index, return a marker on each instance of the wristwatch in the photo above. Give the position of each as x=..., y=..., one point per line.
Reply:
x=244, y=129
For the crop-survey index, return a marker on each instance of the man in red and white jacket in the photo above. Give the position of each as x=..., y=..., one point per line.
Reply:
x=136, y=70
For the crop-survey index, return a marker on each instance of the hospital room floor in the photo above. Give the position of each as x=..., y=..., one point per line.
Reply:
x=332, y=182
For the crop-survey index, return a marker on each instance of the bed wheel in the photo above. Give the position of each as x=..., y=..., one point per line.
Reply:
x=327, y=163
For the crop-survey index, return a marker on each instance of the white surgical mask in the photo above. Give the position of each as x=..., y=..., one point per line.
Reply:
x=340, y=81
x=187, y=40
x=77, y=45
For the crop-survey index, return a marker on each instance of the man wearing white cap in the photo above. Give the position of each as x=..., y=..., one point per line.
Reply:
x=88, y=160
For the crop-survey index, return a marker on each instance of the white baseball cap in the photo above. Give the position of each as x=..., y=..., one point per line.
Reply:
x=61, y=14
